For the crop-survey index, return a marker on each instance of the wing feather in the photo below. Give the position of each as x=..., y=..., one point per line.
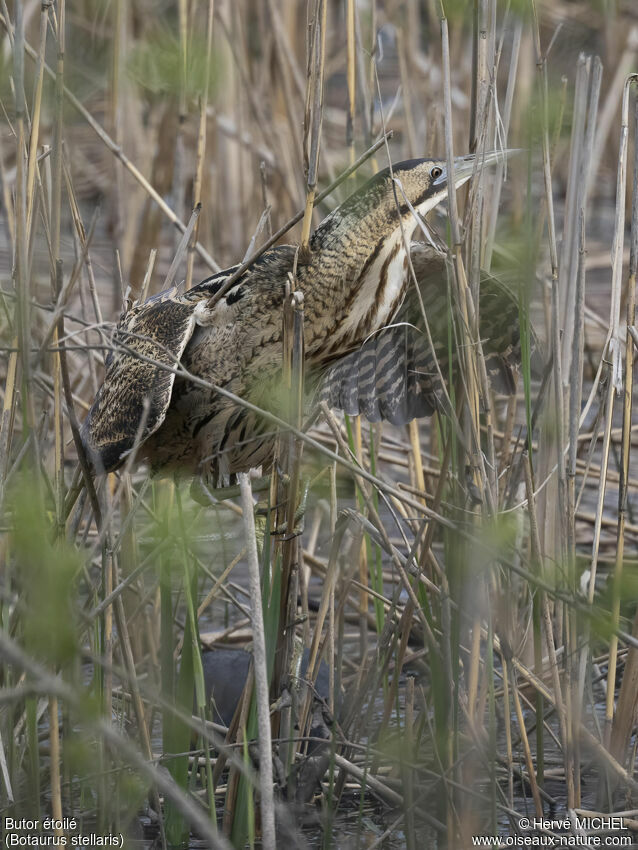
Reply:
x=394, y=375
x=158, y=330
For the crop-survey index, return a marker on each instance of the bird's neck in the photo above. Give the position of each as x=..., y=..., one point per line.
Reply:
x=357, y=276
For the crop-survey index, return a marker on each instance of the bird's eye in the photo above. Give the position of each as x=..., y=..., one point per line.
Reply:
x=436, y=172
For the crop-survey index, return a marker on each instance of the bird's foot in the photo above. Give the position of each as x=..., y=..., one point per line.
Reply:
x=298, y=524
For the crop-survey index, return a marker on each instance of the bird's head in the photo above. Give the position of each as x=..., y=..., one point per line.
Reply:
x=413, y=185
x=424, y=183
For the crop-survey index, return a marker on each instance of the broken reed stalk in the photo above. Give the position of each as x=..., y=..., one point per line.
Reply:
x=182, y=247
x=267, y=802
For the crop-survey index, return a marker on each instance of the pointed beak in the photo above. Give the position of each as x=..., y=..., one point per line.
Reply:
x=464, y=165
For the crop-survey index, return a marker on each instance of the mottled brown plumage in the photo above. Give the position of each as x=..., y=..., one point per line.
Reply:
x=354, y=285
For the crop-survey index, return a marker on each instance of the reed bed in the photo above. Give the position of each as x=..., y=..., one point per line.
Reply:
x=470, y=585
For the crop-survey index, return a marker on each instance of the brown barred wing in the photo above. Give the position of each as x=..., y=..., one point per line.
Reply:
x=392, y=377
x=157, y=331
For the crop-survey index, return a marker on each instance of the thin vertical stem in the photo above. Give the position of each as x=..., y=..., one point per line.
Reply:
x=497, y=183
x=261, y=670
x=21, y=271
x=313, y=115
x=115, y=112
x=627, y=394
x=201, y=142
x=35, y=115
x=351, y=74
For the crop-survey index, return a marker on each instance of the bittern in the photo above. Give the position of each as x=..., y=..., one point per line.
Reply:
x=360, y=354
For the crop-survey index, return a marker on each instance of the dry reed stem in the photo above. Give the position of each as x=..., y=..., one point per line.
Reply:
x=291, y=551
x=549, y=630
x=54, y=743
x=469, y=372
x=351, y=75
x=468, y=330
x=261, y=675
x=201, y=141
x=363, y=552
x=56, y=286
x=115, y=122
x=21, y=235
x=6, y=425
x=625, y=712
x=529, y=762
x=236, y=732
x=313, y=114
x=609, y=111
x=497, y=184
x=577, y=180
x=182, y=247
x=613, y=350
x=36, y=113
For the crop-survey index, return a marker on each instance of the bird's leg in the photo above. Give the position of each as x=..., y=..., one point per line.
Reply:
x=264, y=508
x=300, y=512
x=205, y=495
